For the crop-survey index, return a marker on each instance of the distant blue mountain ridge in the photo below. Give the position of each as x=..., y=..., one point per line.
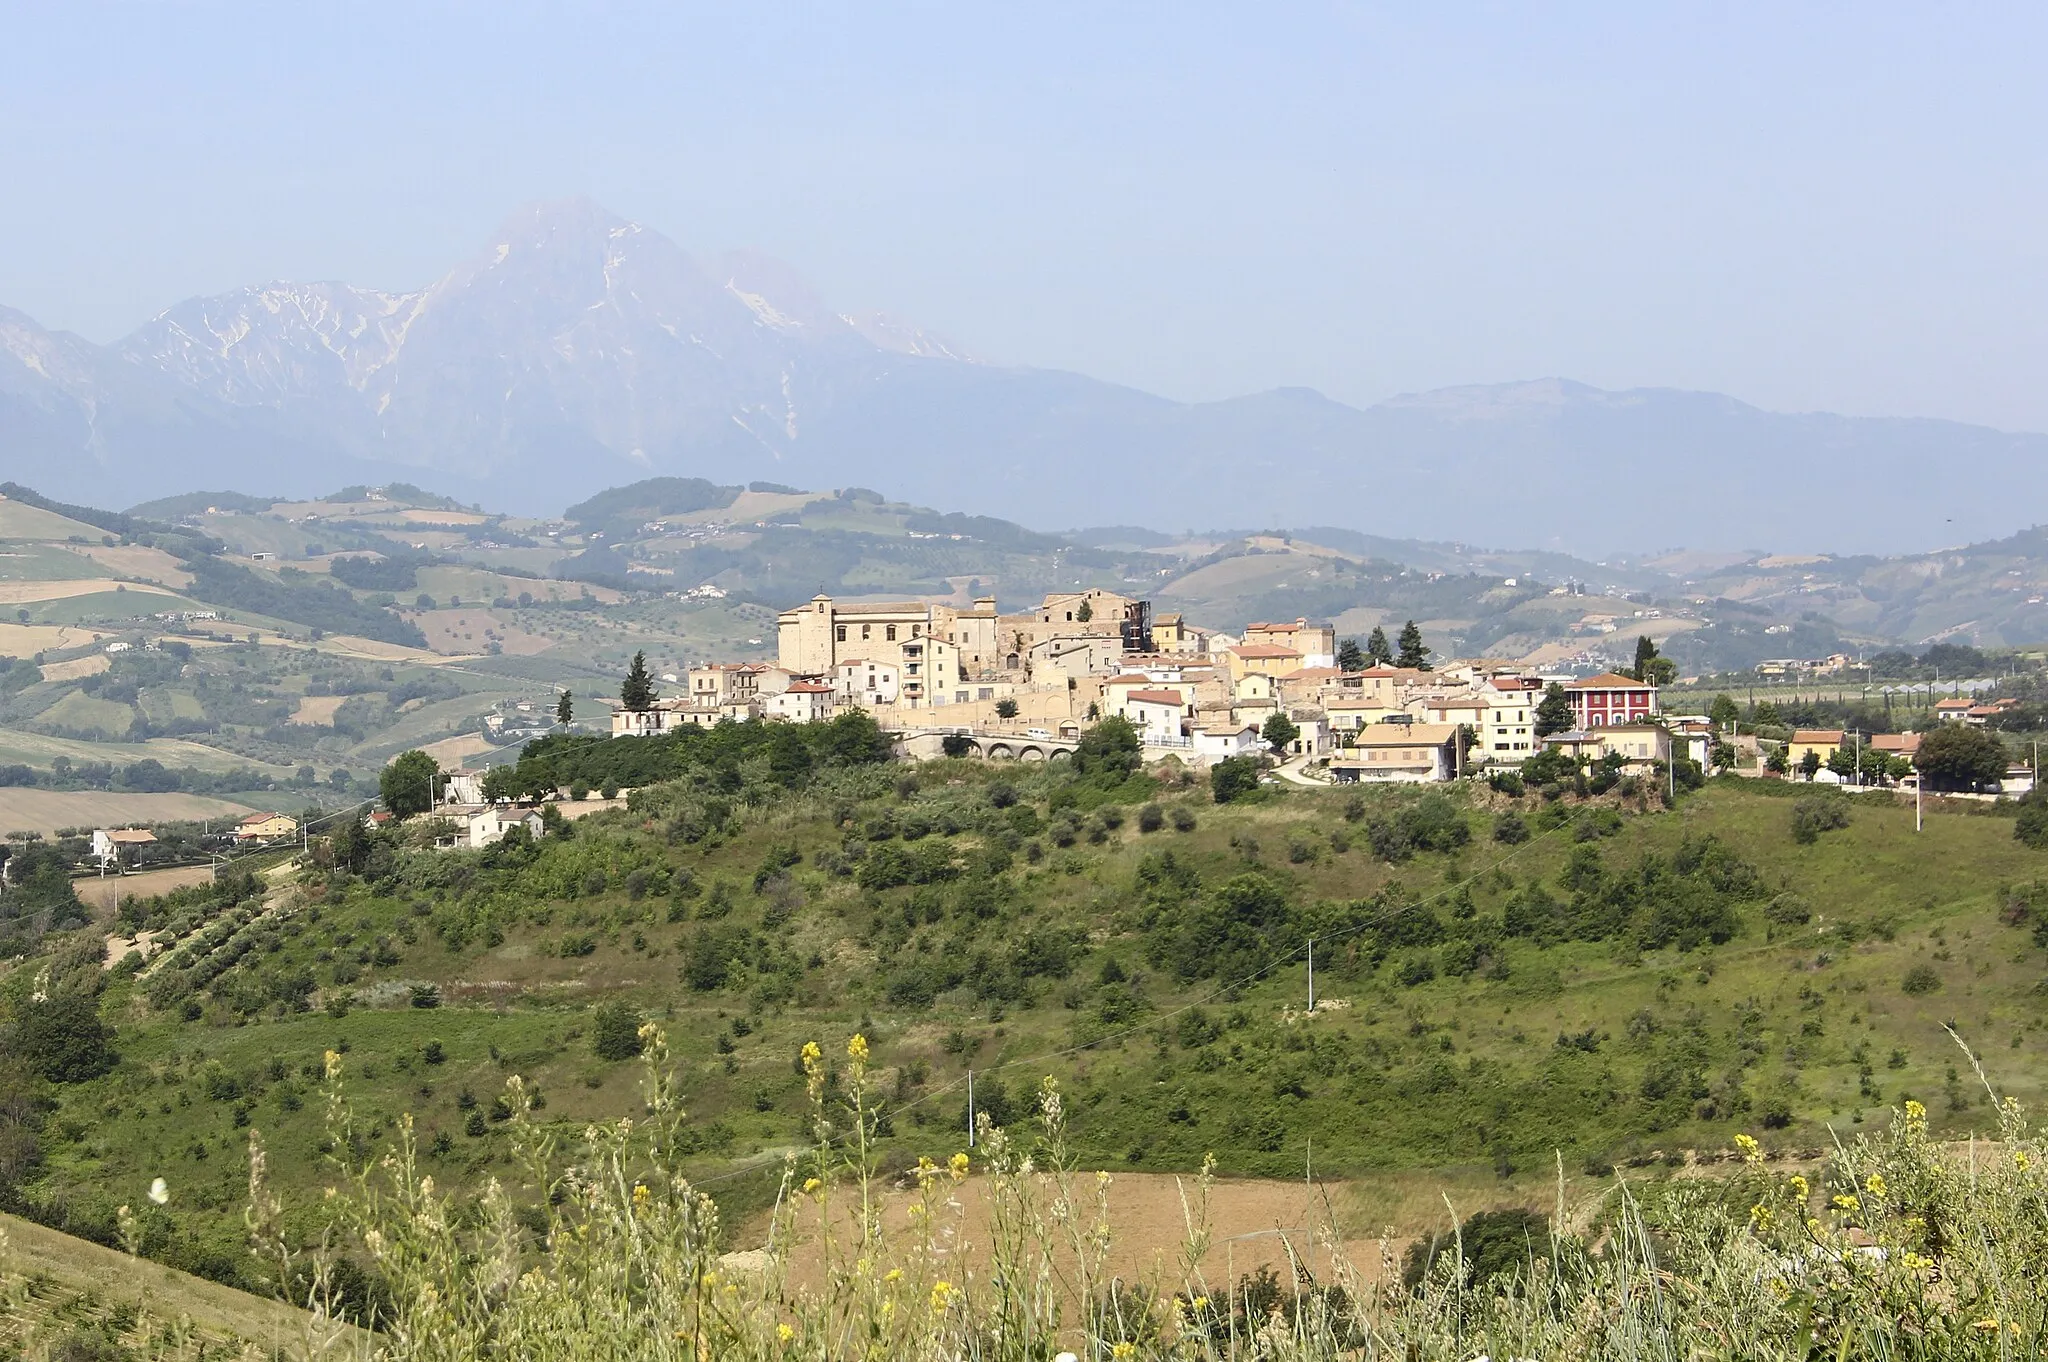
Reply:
x=578, y=351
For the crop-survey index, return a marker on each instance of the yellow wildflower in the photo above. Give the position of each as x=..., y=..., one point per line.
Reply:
x=641, y=1196
x=784, y=1332
x=1986, y=1326
x=942, y=1296
x=1123, y=1350
x=894, y=1274
x=958, y=1165
x=812, y=1054
x=1799, y=1187
x=1201, y=1302
x=333, y=1061
x=1760, y=1216
x=1847, y=1203
x=857, y=1048
x=1874, y=1184
x=812, y=1184
x=2020, y=1159
x=1752, y=1152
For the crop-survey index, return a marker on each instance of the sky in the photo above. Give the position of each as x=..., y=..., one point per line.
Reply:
x=1809, y=207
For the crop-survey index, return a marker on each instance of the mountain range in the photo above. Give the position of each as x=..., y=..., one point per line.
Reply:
x=578, y=350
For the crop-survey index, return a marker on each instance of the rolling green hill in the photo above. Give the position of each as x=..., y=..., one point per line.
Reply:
x=1500, y=978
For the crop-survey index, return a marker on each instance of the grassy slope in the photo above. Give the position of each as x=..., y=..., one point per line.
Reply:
x=1449, y=1074
x=60, y=1282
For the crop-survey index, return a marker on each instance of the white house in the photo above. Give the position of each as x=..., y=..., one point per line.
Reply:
x=1215, y=742
x=109, y=843
x=867, y=683
x=1156, y=714
x=805, y=702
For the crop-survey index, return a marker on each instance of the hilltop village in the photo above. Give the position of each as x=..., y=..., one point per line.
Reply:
x=1024, y=684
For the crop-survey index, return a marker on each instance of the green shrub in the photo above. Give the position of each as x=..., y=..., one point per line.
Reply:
x=1812, y=817
x=1233, y=779
x=615, y=1032
x=1920, y=979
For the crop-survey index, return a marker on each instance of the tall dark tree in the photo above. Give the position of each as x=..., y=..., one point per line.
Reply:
x=407, y=784
x=1554, y=711
x=636, y=693
x=1652, y=667
x=565, y=708
x=1646, y=653
x=1280, y=732
x=1378, y=652
x=1412, y=653
x=1350, y=657
x=1960, y=757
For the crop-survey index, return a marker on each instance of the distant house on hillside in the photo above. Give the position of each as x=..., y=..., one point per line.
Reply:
x=266, y=827
x=109, y=843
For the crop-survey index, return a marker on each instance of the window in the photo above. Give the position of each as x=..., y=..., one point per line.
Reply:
x=890, y=633
x=916, y=630
x=840, y=632
x=867, y=631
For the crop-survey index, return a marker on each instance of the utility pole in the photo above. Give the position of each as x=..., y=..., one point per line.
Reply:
x=970, y=1108
x=1311, y=975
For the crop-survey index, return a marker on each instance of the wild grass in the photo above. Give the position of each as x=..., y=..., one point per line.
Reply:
x=1899, y=1246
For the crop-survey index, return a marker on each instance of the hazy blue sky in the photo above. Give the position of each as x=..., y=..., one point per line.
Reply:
x=1811, y=207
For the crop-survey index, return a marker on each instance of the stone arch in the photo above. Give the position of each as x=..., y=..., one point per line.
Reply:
x=1060, y=754
x=998, y=751
x=1031, y=754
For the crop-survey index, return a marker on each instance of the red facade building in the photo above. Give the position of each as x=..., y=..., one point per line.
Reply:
x=1608, y=699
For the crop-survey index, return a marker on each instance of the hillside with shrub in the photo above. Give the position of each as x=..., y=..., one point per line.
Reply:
x=1502, y=980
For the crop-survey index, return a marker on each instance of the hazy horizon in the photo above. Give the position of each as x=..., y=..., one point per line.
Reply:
x=1810, y=214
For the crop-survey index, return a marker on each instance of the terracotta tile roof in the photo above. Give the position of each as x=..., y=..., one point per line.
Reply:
x=1405, y=735
x=1818, y=737
x=1263, y=650
x=1156, y=697
x=1608, y=681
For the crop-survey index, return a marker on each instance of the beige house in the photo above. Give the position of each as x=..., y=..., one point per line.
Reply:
x=976, y=632
x=1469, y=710
x=1822, y=742
x=1637, y=744
x=1399, y=752
x=1265, y=658
x=1173, y=634
x=1071, y=657
x=1508, y=728
x=266, y=827
x=1317, y=643
x=1256, y=686
x=931, y=667
x=1391, y=686
x=1349, y=713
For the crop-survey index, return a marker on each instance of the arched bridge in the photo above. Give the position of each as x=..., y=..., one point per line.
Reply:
x=928, y=743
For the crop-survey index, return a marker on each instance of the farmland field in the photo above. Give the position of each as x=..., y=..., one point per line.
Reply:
x=45, y=811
